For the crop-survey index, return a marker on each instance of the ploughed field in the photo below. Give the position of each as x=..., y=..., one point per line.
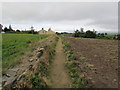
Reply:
x=97, y=61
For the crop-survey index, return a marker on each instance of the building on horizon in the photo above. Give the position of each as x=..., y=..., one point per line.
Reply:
x=42, y=31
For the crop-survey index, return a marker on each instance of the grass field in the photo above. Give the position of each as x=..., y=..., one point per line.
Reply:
x=16, y=45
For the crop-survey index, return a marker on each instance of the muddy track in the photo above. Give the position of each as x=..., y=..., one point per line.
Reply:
x=59, y=74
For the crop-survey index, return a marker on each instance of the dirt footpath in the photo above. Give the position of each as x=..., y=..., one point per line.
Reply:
x=59, y=74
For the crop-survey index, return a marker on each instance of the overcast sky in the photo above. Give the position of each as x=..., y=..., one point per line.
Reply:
x=61, y=16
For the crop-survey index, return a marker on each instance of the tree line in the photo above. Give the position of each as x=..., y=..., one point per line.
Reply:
x=10, y=30
x=93, y=34
x=90, y=34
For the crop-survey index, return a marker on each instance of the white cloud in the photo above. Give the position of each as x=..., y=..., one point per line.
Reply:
x=62, y=16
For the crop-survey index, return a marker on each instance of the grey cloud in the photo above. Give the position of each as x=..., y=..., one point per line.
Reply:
x=108, y=22
x=104, y=14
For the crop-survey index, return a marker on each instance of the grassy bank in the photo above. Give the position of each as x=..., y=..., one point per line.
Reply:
x=16, y=45
x=41, y=78
x=72, y=65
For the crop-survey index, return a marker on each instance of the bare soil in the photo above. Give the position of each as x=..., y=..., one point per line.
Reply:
x=98, y=61
x=59, y=73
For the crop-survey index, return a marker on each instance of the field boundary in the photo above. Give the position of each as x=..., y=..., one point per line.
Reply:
x=37, y=74
x=71, y=64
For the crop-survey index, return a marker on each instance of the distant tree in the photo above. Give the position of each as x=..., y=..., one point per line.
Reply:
x=17, y=30
x=77, y=33
x=57, y=33
x=81, y=30
x=105, y=33
x=98, y=34
x=102, y=34
x=35, y=32
x=6, y=29
x=82, y=35
x=90, y=34
x=32, y=29
x=10, y=28
x=65, y=33
x=30, y=32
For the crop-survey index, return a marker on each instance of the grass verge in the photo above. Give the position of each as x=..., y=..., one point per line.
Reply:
x=43, y=73
x=72, y=65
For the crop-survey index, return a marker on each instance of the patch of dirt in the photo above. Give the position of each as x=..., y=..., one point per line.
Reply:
x=59, y=75
x=98, y=61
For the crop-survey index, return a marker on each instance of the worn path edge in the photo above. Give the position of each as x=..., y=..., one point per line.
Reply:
x=59, y=75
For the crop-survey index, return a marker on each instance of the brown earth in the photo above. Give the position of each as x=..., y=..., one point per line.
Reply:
x=59, y=74
x=98, y=61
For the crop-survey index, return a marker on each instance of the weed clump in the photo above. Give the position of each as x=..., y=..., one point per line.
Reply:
x=52, y=50
x=37, y=83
